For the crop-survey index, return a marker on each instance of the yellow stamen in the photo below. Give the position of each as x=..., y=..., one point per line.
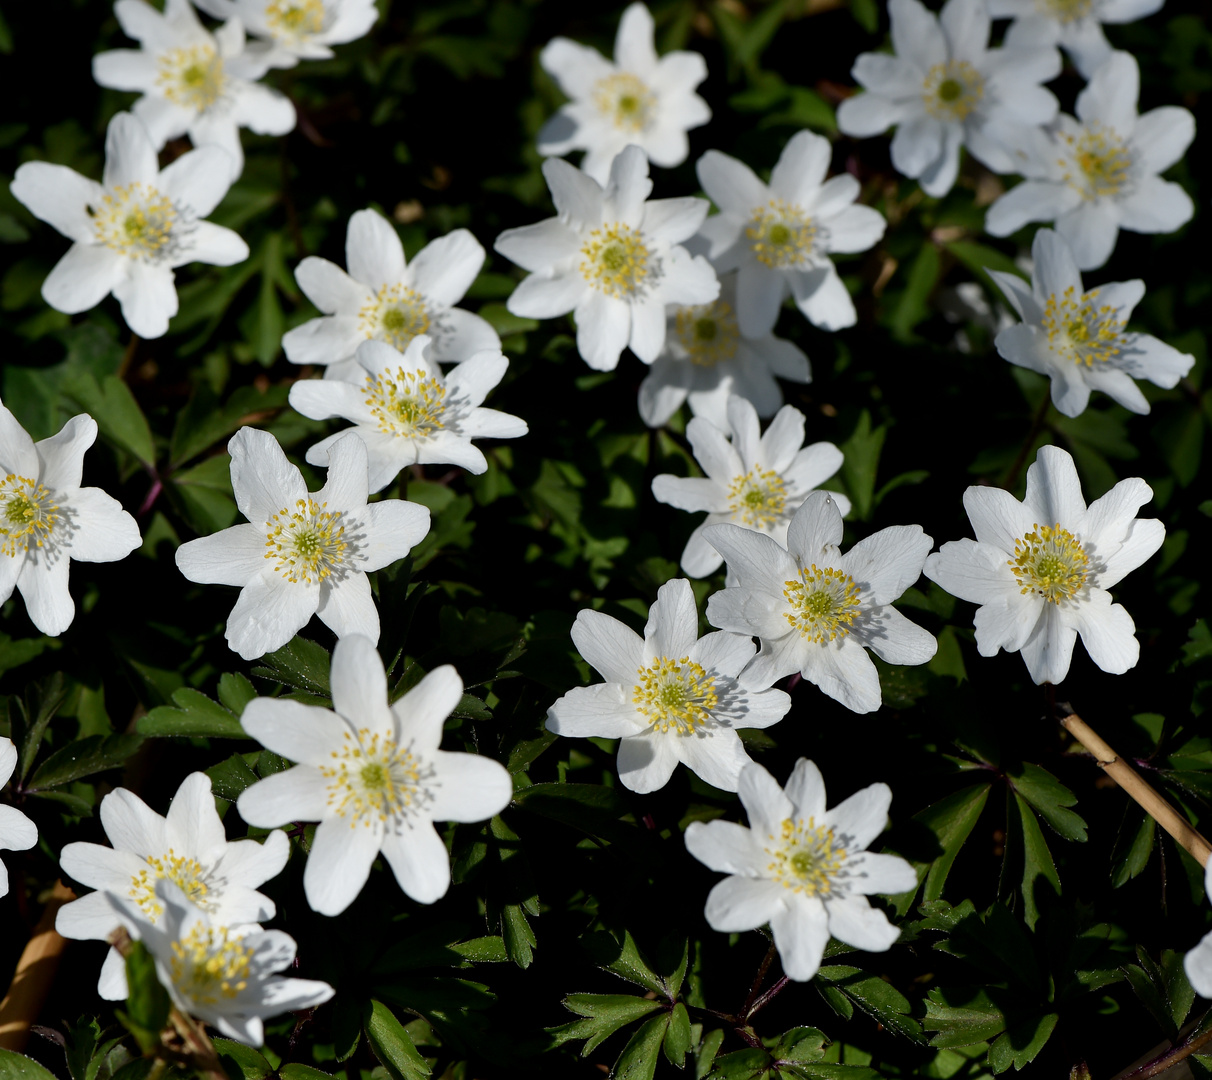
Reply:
x=781, y=234
x=824, y=603
x=1050, y=562
x=675, y=695
x=28, y=515
x=307, y=543
x=806, y=857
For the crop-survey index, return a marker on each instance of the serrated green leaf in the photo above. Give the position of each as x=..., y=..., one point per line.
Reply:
x=242, y=1062
x=482, y=950
x=297, y=1071
x=82, y=758
x=875, y=997
x=706, y=1051
x=1037, y=861
x=235, y=691
x=742, y=1065
x=1133, y=847
x=14, y=1066
x=230, y=777
x=603, y=1015
x=625, y=960
x=1019, y=1045
x=920, y=281
x=517, y=934
x=392, y=1045
x=960, y=1017
x=638, y=1061
x=1050, y=797
x=677, y=1036
x=951, y=820
x=195, y=715
x=300, y=663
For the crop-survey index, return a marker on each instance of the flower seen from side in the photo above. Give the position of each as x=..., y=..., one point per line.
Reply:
x=669, y=697
x=373, y=776
x=1075, y=25
x=754, y=480
x=47, y=519
x=302, y=553
x=639, y=99
x=802, y=868
x=1079, y=338
x=817, y=611
x=1198, y=962
x=383, y=298
x=294, y=30
x=945, y=88
x=1040, y=569
x=17, y=832
x=611, y=257
x=133, y=229
x=406, y=412
x=1098, y=173
x=779, y=236
x=188, y=847
x=706, y=359
x=224, y=975
x=193, y=82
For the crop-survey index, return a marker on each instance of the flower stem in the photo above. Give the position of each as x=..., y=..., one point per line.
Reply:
x=1171, y=1057
x=758, y=979
x=1130, y=780
x=35, y=974
x=1037, y=425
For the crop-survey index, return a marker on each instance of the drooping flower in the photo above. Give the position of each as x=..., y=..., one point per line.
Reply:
x=669, y=697
x=301, y=554
x=223, y=975
x=816, y=610
x=1074, y=25
x=406, y=412
x=193, y=82
x=640, y=99
x=373, y=776
x=188, y=848
x=385, y=299
x=801, y=868
x=1098, y=173
x=753, y=480
x=132, y=230
x=707, y=358
x=294, y=30
x=611, y=257
x=1040, y=569
x=47, y=519
x=1198, y=962
x=17, y=832
x=1079, y=339
x=945, y=89
x=779, y=236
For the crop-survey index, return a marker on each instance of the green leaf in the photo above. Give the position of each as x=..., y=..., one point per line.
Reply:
x=624, y=959
x=230, y=777
x=1019, y=1045
x=147, y=1002
x=1050, y=797
x=603, y=1015
x=706, y=1051
x=678, y=1036
x=392, y=1045
x=1133, y=848
x=638, y=1060
x=742, y=1065
x=235, y=691
x=861, y=463
x=302, y=664
x=242, y=1062
x=799, y=1045
x=14, y=1066
x=42, y=701
x=962, y=1017
x=981, y=258
x=1037, y=861
x=1163, y=988
x=914, y=304
x=875, y=997
x=195, y=715
x=951, y=820
x=482, y=950
x=297, y=1071
x=206, y=495
x=82, y=758
x=204, y=421
x=517, y=934
x=116, y=411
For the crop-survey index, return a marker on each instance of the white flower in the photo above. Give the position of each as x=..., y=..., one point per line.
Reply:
x=779, y=236
x=188, y=848
x=222, y=975
x=406, y=412
x=133, y=229
x=372, y=776
x=1041, y=568
x=383, y=298
x=816, y=610
x=1079, y=339
x=611, y=258
x=755, y=481
x=48, y=519
x=193, y=82
x=302, y=554
x=668, y=697
x=296, y=29
x=1074, y=25
x=801, y=868
x=17, y=832
x=1198, y=962
x=945, y=89
x=639, y=100
x=1098, y=174
x=706, y=359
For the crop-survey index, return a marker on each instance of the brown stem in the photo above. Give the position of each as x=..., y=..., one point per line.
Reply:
x=758, y=979
x=1130, y=780
x=768, y=996
x=1037, y=425
x=35, y=974
x=1170, y=1058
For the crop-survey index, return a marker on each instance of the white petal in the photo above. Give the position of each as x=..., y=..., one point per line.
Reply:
x=1091, y=231
x=853, y=920
x=1162, y=136
x=608, y=646
x=843, y=670
x=673, y=621
x=858, y=820
x=742, y=903
x=84, y=277
x=1049, y=650
x=419, y=860
x=816, y=530
x=59, y=196
x=231, y=557
x=48, y=603
x=445, y=268
x=806, y=790
x=102, y=530
x=263, y=480
x=198, y=179
x=1156, y=206
x=298, y=794
x=468, y=787
x=731, y=184
x=541, y=297
x=603, y=329
x=633, y=46
x=766, y=804
x=131, y=825
x=887, y=562
x=727, y=847
x=268, y=614
x=1054, y=492
x=193, y=818
x=148, y=297
x=604, y=710
x=373, y=252
x=1108, y=632
x=646, y=761
x=339, y=862
x=422, y=712
x=801, y=932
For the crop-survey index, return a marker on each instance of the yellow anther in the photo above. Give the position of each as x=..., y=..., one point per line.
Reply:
x=136, y=220
x=371, y=776
x=781, y=234
x=187, y=874
x=805, y=857
x=626, y=100
x=824, y=603
x=295, y=18
x=757, y=499
x=1099, y=164
x=208, y=964
x=708, y=332
x=308, y=543
x=191, y=77
x=1080, y=329
x=396, y=315
x=28, y=515
x=1050, y=561
x=951, y=91
x=616, y=260
x=411, y=404
x=675, y=695
x=1067, y=11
